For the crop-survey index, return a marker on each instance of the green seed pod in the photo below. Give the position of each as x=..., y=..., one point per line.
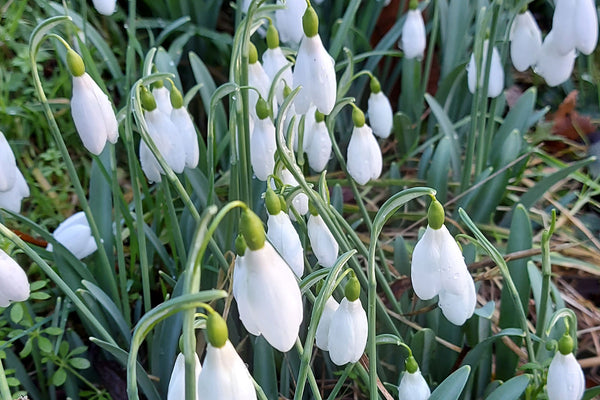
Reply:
x=262, y=108
x=176, y=97
x=240, y=245
x=148, y=102
x=272, y=37
x=565, y=344
x=352, y=289
x=358, y=117
x=310, y=22
x=216, y=329
x=252, y=228
x=252, y=53
x=411, y=365
x=319, y=116
x=272, y=202
x=375, y=85
x=435, y=214
x=75, y=63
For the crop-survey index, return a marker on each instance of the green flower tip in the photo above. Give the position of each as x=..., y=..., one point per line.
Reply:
x=75, y=63
x=176, y=97
x=565, y=344
x=240, y=245
x=352, y=289
x=319, y=116
x=272, y=202
x=310, y=22
x=358, y=117
x=262, y=108
x=286, y=90
x=411, y=365
x=148, y=102
x=375, y=85
x=413, y=4
x=523, y=10
x=252, y=53
x=272, y=36
x=158, y=84
x=252, y=229
x=435, y=214
x=216, y=329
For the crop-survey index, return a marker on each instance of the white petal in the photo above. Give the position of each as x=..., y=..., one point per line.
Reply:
x=525, y=41
x=258, y=78
x=167, y=139
x=13, y=281
x=586, y=26
x=413, y=35
x=323, y=244
x=347, y=337
x=322, y=334
x=319, y=149
x=496, y=75
x=413, y=387
x=288, y=21
x=364, y=155
x=565, y=378
x=262, y=148
x=563, y=26
x=315, y=72
x=425, y=265
x=300, y=200
x=176, y=389
x=75, y=234
x=105, y=7
x=11, y=199
x=273, y=61
x=285, y=239
x=240, y=293
x=182, y=120
x=554, y=66
x=163, y=99
x=150, y=165
x=381, y=116
x=8, y=165
x=496, y=84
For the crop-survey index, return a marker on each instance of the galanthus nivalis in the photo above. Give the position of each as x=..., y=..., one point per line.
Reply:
x=162, y=96
x=300, y=200
x=75, y=234
x=364, y=161
x=183, y=122
x=105, y=7
x=381, y=116
x=413, y=33
x=8, y=165
x=323, y=244
x=274, y=60
x=314, y=69
x=412, y=385
x=438, y=268
x=289, y=21
x=318, y=146
x=12, y=198
x=14, y=285
x=176, y=389
x=575, y=26
x=91, y=109
x=496, y=76
x=552, y=65
x=565, y=377
x=265, y=288
x=258, y=79
x=262, y=142
x=322, y=334
x=525, y=41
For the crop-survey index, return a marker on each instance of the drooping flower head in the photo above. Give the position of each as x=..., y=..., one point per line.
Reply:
x=176, y=390
x=381, y=116
x=258, y=79
x=289, y=21
x=575, y=26
x=525, y=41
x=14, y=285
x=318, y=148
x=274, y=60
x=105, y=7
x=263, y=144
x=565, y=377
x=413, y=33
x=8, y=165
x=322, y=334
x=300, y=200
x=412, y=385
x=322, y=242
x=496, y=76
x=364, y=155
x=162, y=96
x=184, y=124
x=12, y=198
x=75, y=234
x=552, y=65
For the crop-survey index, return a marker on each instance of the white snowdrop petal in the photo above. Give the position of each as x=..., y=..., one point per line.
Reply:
x=525, y=41
x=552, y=65
x=105, y=7
x=14, y=285
x=319, y=149
x=425, y=265
x=322, y=334
x=262, y=148
x=258, y=78
x=496, y=75
x=565, y=378
x=413, y=387
x=162, y=96
x=273, y=62
x=413, y=35
x=150, y=165
x=364, y=155
x=563, y=25
x=381, y=116
x=184, y=124
x=300, y=200
x=288, y=21
x=176, y=390
x=12, y=198
x=585, y=26
x=458, y=307
x=285, y=239
x=323, y=244
x=8, y=165
x=167, y=139
x=347, y=332
x=240, y=293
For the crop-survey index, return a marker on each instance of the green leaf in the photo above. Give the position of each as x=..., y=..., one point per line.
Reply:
x=343, y=31
x=44, y=344
x=59, y=377
x=591, y=393
x=26, y=349
x=448, y=129
x=39, y=296
x=265, y=371
x=53, y=331
x=511, y=389
x=16, y=313
x=37, y=285
x=110, y=307
x=452, y=386
x=79, y=363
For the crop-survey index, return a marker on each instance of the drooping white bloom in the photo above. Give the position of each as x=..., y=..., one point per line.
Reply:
x=14, y=285
x=285, y=239
x=413, y=35
x=496, y=76
x=289, y=21
x=315, y=72
x=105, y=7
x=322, y=334
x=552, y=65
x=323, y=244
x=586, y=26
x=224, y=375
x=381, y=116
x=438, y=268
x=413, y=386
x=8, y=165
x=565, y=378
x=258, y=78
x=149, y=163
x=183, y=122
x=268, y=297
x=262, y=148
x=12, y=198
x=300, y=200
x=347, y=332
x=318, y=147
x=167, y=138
x=273, y=62
x=525, y=41
x=163, y=99
x=75, y=234
x=92, y=114
x=176, y=389
x=563, y=26
x=364, y=155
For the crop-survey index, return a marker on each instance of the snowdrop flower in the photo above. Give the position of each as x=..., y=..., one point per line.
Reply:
x=565, y=376
x=75, y=234
x=91, y=109
x=8, y=165
x=575, y=26
x=13, y=281
x=258, y=78
x=224, y=375
x=413, y=386
x=274, y=60
x=381, y=116
x=364, y=155
x=289, y=21
x=105, y=7
x=552, y=65
x=176, y=389
x=183, y=122
x=12, y=198
x=525, y=41
x=162, y=96
x=282, y=235
x=413, y=33
x=347, y=336
x=323, y=244
x=265, y=288
x=262, y=143
x=438, y=268
x=318, y=147
x=496, y=77
x=300, y=200
x=314, y=69
x=322, y=334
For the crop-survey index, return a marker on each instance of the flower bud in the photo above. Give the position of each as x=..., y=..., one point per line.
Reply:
x=435, y=214
x=358, y=117
x=148, y=102
x=75, y=63
x=216, y=329
x=272, y=202
x=411, y=365
x=176, y=97
x=252, y=228
x=310, y=22
x=375, y=85
x=352, y=289
x=565, y=344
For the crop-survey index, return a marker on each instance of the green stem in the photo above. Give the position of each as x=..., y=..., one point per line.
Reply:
x=4, y=389
x=546, y=276
x=173, y=225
